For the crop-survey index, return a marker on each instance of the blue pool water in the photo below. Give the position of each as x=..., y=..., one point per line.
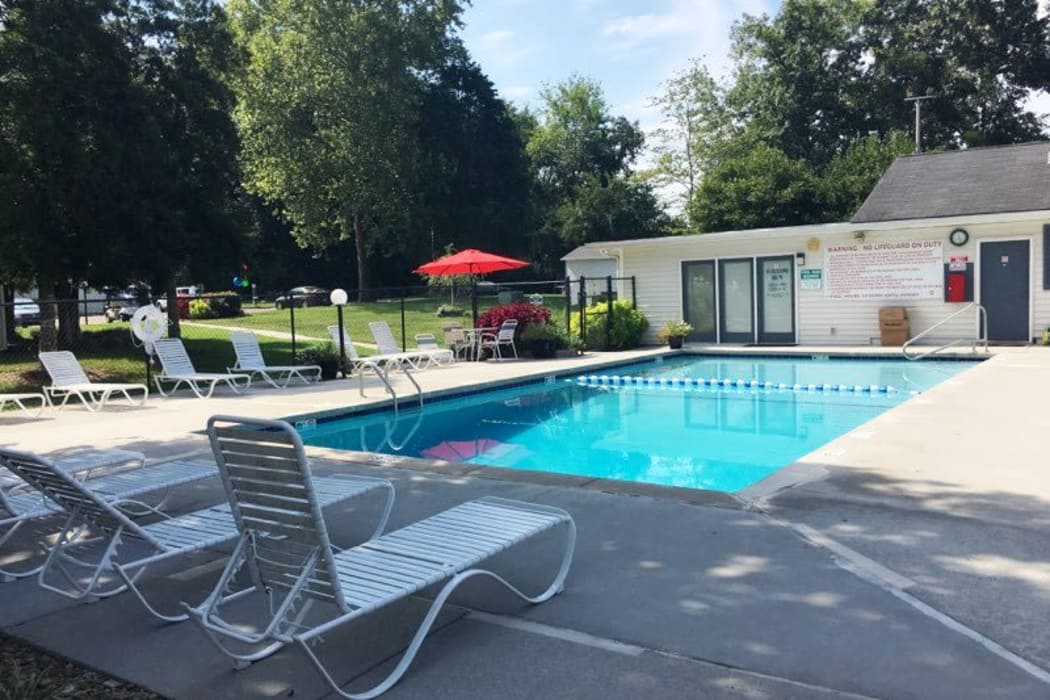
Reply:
x=718, y=438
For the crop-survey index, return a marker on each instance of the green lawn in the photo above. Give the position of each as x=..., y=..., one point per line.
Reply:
x=420, y=317
x=107, y=353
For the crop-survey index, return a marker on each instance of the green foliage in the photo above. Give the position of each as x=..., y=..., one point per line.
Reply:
x=217, y=305
x=449, y=310
x=626, y=331
x=542, y=340
x=851, y=175
x=674, y=329
x=763, y=187
x=583, y=189
x=319, y=354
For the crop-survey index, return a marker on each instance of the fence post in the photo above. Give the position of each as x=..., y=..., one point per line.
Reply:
x=608, y=312
x=583, y=307
x=568, y=306
x=291, y=315
x=404, y=335
x=634, y=293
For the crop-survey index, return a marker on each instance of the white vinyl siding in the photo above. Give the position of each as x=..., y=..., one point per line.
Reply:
x=823, y=321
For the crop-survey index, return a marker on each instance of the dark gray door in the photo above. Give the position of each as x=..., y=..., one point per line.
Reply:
x=698, y=299
x=1005, y=291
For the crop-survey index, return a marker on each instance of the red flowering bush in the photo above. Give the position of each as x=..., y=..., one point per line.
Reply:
x=525, y=312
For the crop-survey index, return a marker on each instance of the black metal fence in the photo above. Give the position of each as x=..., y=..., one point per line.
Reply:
x=288, y=325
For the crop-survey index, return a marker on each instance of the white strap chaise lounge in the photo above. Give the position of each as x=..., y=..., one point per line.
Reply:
x=303, y=574
x=81, y=575
x=417, y=359
x=250, y=360
x=69, y=380
x=20, y=503
x=355, y=362
x=177, y=369
x=19, y=400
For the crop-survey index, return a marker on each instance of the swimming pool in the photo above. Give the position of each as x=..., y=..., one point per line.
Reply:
x=686, y=429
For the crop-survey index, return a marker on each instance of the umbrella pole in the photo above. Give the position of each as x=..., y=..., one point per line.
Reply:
x=474, y=299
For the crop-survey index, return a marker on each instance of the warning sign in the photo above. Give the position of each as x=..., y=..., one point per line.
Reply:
x=892, y=270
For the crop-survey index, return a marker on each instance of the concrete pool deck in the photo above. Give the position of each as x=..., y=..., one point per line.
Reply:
x=915, y=565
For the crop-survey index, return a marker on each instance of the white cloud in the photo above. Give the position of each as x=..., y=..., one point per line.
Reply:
x=497, y=37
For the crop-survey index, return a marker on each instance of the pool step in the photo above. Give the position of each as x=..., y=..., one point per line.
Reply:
x=686, y=383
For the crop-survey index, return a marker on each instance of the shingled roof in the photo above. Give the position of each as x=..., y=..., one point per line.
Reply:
x=990, y=180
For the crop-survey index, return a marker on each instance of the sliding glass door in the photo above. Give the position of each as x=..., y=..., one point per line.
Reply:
x=698, y=299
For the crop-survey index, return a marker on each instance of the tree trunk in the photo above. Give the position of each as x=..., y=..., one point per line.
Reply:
x=9, y=314
x=363, y=278
x=68, y=316
x=46, y=295
x=174, y=329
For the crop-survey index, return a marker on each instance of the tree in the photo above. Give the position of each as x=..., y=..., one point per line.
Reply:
x=696, y=127
x=582, y=158
x=329, y=112
x=476, y=190
x=67, y=103
x=851, y=176
x=762, y=188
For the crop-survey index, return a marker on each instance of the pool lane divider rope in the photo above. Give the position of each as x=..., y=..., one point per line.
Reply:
x=686, y=383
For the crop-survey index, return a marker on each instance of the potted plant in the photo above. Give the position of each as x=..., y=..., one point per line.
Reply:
x=542, y=340
x=674, y=333
x=325, y=356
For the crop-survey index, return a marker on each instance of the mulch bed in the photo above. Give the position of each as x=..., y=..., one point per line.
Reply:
x=27, y=673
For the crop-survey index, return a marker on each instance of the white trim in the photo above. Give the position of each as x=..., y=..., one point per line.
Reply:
x=1031, y=278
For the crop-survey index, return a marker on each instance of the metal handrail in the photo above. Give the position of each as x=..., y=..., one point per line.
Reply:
x=381, y=373
x=419, y=391
x=980, y=338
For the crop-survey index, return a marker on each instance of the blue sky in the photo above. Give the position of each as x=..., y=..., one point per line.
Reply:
x=629, y=46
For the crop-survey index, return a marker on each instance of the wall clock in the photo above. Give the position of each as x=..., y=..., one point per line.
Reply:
x=959, y=236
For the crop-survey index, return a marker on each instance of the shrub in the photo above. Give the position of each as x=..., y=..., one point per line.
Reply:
x=450, y=310
x=628, y=326
x=542, y=339
x=325, y=356
x=525, y=312
x=674, y=329
x=200, y=308
x=218, y=305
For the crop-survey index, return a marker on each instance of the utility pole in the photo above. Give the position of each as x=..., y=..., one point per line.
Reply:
x=918, y=116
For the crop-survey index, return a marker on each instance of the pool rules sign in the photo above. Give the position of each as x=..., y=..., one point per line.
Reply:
x=891, y=270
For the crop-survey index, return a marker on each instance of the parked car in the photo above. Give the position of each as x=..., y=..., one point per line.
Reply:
x=27, y=312
x=303, y=296
x=182, y=296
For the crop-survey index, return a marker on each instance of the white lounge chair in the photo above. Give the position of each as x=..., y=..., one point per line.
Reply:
x=177, y=369
x=68, y=380
x=20, y=400
x=302, y=571
x=355, y=361
x=124, y=488
x=110, y=528
x=427, y=342
x=417, y=359
x=502, y=338
x=250, y=360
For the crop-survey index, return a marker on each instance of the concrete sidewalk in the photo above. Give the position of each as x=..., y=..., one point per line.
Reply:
x=917, y=567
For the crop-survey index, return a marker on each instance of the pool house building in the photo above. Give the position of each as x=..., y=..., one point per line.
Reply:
x=941, y=233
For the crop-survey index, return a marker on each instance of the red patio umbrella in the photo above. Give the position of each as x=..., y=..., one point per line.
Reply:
x=463, y=450
x=469, y=262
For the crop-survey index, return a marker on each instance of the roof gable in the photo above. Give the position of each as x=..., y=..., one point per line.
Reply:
x=989, y=180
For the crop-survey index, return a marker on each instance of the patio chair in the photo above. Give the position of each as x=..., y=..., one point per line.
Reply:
x=427, y=342
x=262, y=456
x=456, y=339
x=19, y=400
x=303, y=573
x=250, y=360
x=416, y=359
x=69, y=380
x=177, y=369
x=21, y=503
x=357, y=363
x=502, y=338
